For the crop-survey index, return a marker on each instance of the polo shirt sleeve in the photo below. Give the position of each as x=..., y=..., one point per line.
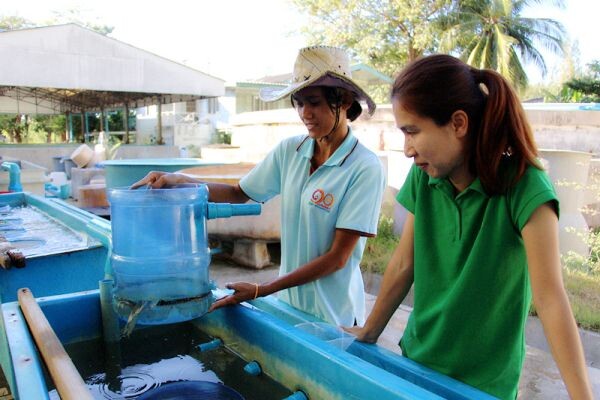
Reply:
x=263, y=182
x=407, y=196
x=360, y=207
x=531, y=191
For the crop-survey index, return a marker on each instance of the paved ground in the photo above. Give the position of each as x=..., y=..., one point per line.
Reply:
x=540, y=379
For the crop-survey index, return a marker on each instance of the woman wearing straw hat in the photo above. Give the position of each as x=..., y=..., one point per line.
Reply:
x=331, y=188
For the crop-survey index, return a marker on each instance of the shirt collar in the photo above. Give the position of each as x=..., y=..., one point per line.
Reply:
x=307, y=148
x=445, y=185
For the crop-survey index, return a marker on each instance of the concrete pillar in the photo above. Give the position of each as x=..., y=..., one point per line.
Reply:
x=568, y=171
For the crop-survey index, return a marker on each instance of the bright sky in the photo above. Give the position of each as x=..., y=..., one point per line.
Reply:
x=243, y=39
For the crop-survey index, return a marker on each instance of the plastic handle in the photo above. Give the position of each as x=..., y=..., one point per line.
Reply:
x=226, y=210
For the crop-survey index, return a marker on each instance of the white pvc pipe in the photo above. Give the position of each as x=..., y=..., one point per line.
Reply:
x=69, y=384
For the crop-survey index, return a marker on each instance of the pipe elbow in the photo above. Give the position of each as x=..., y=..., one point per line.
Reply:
x=10, y=167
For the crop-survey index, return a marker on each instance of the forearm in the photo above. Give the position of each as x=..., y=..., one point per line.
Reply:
x=397, y=280
x=315, y=269
x=217, y=192
x=326, y=264
x=563, y=337
x=225, y=193
x=540, y=236
x=244, y=291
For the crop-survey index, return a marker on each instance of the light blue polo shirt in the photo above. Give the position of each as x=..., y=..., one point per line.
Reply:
x=345, y=192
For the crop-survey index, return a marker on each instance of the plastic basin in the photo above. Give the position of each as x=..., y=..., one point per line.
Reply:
x=125, y=172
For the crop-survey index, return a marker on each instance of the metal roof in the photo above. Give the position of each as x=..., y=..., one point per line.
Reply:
x=62, y=68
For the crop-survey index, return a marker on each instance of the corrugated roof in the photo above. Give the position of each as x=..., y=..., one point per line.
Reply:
x=67, y=67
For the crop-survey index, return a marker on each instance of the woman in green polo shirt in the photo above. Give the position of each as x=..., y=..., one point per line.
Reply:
x=481, y=233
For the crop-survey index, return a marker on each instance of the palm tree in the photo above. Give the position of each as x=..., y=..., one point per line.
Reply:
x=493, y=34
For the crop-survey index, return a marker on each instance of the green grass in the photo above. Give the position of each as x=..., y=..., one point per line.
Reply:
x=378, y=249
x=584, y=294
x=581, y=277
x=583, y=291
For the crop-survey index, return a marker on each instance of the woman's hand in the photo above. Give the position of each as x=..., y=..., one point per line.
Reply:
x=159, y=179
x=361, y=333
x=242, y=291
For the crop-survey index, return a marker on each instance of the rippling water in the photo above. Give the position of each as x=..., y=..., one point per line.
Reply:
x=159, y=355
x=139, y=378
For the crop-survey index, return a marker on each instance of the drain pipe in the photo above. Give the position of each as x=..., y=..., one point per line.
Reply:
x=213, y=344
x=253, y=368
x=110, y=324
x=14, y=173
x=297, y=395
x=108, y=271
x=110, y=320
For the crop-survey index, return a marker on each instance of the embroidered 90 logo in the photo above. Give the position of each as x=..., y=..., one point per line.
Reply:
x=322, y=200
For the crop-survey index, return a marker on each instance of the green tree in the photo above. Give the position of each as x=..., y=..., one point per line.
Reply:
x=75, y=15
x=384, y=34
x=41, y=128
x=12, y=127
x=71, y=15
x=12, y=22
x=493, y=34
x=587, y=85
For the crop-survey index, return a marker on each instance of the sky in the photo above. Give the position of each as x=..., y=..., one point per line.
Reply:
x=247, y=39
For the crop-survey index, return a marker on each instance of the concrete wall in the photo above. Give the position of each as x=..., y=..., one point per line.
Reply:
x=258, y=132
x=42, y=154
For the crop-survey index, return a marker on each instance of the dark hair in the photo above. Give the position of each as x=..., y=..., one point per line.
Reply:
x=334, y=96
x=438, y=85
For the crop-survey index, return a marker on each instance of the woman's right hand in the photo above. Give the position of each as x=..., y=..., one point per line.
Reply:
x=159, y=179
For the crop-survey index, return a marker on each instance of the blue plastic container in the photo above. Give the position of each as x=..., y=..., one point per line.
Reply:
x=160, y=252
x=120, y=173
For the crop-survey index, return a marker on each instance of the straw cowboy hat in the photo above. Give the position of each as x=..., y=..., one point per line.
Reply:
x=320, y=66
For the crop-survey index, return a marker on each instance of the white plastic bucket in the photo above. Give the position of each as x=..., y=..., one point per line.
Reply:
x=82, y=155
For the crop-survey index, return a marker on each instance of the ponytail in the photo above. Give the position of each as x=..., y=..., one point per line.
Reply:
x=504, y=134
x=500, y=142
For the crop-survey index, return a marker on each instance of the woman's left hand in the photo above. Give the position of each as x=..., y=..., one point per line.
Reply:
x=243, y=291
x=361, y=333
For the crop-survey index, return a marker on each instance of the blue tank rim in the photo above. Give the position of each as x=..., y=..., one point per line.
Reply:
x=184, y=162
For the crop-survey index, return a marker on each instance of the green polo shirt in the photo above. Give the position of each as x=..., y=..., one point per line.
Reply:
x=471, y=284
